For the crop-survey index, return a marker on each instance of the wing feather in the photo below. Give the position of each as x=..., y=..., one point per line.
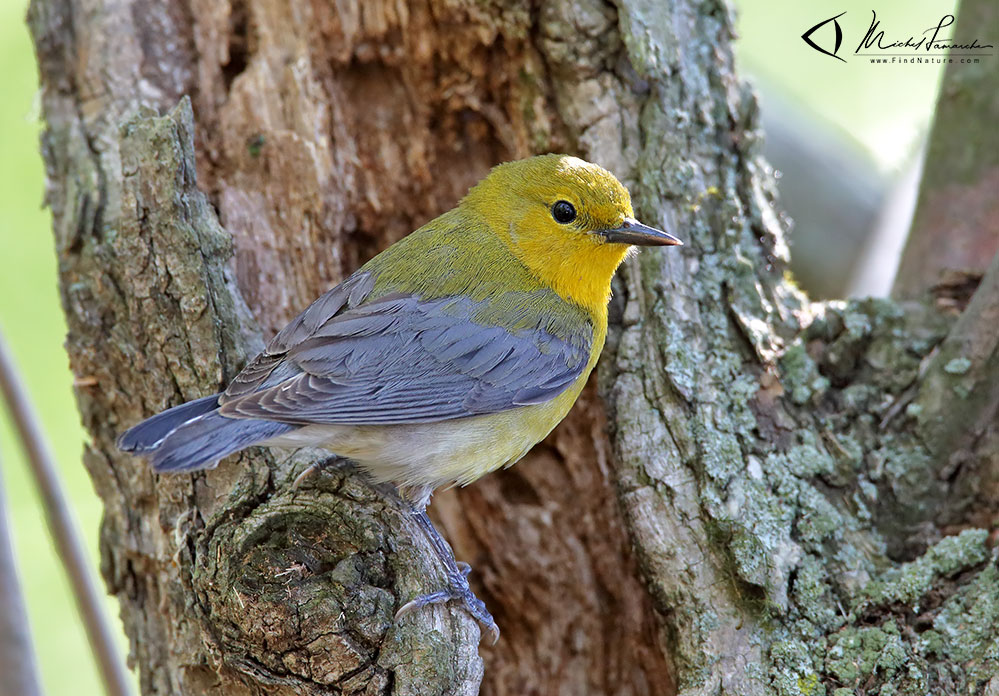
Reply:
x=401, y=359
x=270, y=367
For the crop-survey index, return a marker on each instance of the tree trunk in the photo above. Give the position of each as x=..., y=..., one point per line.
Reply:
x=765, y=516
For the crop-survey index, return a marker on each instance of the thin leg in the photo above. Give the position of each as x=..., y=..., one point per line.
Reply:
x=457, y=582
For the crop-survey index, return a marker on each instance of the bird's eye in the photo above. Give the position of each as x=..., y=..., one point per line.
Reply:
x=563, y=212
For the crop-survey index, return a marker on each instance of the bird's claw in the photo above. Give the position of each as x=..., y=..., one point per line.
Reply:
x=309, y=471
x=457, y=591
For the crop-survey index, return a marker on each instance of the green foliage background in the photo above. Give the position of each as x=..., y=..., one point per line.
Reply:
x=32, y=322
x=886, y=108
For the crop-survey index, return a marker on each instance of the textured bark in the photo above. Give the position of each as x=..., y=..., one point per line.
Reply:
x=766, y=517
x=955, y=229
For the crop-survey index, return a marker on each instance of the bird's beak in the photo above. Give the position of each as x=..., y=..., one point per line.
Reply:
x=631, y=231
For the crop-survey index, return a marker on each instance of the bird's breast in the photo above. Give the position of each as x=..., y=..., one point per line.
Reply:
x=444, y=453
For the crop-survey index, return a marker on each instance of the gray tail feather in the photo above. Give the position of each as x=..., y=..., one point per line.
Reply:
x=194, y=436
x=147, y=435
x=200, y=443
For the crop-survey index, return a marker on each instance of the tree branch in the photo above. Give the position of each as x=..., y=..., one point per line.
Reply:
x=956, y=223
x=959, y=394
x=63, y=529
x=17, y=656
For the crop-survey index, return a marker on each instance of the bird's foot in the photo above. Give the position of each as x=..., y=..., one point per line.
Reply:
x=457, y=591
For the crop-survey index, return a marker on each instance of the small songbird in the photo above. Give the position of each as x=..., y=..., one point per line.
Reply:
x=447, y=356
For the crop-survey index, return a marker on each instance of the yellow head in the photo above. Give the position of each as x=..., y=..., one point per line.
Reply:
x=569, y=221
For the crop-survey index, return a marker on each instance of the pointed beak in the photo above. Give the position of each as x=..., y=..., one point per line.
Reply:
x=631, y=231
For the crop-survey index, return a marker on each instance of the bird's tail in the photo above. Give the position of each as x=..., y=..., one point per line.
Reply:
x=150, y=433
x=195, y=436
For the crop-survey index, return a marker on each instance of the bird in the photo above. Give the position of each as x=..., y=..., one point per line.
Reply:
x=445, y=357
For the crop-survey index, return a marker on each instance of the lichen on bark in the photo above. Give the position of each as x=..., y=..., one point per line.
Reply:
x=768, y=480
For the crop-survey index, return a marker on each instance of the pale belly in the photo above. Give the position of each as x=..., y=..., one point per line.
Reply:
x=427, y=456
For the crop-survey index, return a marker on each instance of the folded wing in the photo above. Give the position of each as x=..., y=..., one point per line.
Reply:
x=401, y=359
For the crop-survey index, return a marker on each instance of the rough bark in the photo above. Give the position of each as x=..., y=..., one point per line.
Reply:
x=768, y=515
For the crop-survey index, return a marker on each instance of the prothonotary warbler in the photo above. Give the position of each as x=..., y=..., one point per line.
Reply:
x=445, y=357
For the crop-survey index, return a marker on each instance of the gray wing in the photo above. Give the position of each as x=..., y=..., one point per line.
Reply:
x=399, y=359
x=258, y=373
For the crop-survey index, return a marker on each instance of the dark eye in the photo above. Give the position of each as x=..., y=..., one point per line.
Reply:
x=563, y=212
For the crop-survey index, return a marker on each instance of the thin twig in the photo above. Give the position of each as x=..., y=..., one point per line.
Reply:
x=17, y=657
x=63, y=529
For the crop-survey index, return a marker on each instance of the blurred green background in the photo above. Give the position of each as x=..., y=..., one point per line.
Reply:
x=885, y=110
x=32, y=322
